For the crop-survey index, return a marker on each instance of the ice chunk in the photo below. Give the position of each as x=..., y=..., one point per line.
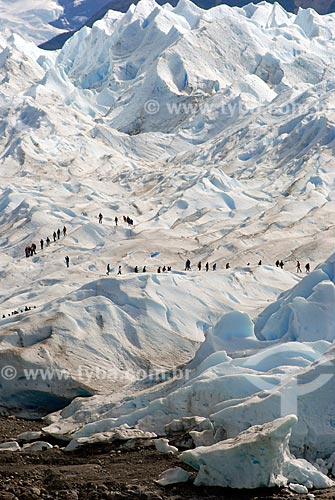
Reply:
x=255, y=458
x=162, y=445
x=9, y=446
x=173, y=476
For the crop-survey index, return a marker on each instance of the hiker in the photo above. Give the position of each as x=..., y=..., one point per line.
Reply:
x=48, y=241
x=164, y=269
x=199, y=266
x=169, y=268
x=27, y=251
x=119, y=271
x=41, y=243
x=116, y=220
x=260, y=263
x=299, y=267
x=307, y=267
x=67, y=261
x=277, y=263
x=281, y=264
x=136, y=269
x=227, y=265
x=207, y=267
x=54, y=235
x=33, y=249
x=108, y=269
x=159, y=269
x=58, y=233
x=214, y=267
x=188, y=265
x=124, y=218
x=64, y=230
x=100, y=218
x=144, y=270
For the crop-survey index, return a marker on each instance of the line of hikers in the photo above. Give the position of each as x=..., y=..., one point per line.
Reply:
x=31, y=250
x=298, y=266
x=199, y=266
x=162, y=269
x=13, y=313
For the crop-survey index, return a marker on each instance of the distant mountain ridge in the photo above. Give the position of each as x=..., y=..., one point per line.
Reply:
x=123, y=5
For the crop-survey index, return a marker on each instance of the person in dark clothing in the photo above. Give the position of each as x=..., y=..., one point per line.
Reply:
x=27, y=251
x=277, y=263
x=124, y=218
x=136, y=269
x=42, y=243
x=188, y=265
x=64, y=230
x=299, y=267
x=164, y=269
x=227, y=265
x=116, y=220
x=108, y=269
x=214, y=267
x=100, y=218
x=307, y=268
x=159, y=269
x=33, y=249
x=207, y=267
x=169, y=268
x=67, y=261
x=144, y=270
x=281, y=264
x=54, y=235
x=58, y=233
x=199, y=266
x=119, y=271
x=260, y=263
x=48, y=241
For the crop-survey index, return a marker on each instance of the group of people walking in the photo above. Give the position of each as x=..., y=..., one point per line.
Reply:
x=13, y=313
x=31, y=250
x=307, y=267
x=298, y=266
x=206, y=267
x=126, y=219
x=188, y=267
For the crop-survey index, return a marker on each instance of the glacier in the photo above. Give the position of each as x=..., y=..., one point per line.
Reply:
x=214, y=131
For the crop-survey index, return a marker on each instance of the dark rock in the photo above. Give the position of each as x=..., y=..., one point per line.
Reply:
x=68, y=495
x=6, y=495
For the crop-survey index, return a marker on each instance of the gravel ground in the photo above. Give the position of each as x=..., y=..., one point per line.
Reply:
x=104, y=473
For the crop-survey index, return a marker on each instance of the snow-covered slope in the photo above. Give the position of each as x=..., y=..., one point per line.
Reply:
x=235, y=389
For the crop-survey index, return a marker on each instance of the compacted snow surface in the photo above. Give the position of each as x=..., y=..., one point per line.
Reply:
x=214, y=132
